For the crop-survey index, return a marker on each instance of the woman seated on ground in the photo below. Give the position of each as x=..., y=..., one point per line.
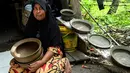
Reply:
x=42, y=25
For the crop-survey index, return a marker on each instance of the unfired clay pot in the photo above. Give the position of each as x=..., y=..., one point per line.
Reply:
x=67, y=14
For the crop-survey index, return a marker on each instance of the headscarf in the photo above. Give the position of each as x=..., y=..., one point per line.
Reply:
x=48, y=28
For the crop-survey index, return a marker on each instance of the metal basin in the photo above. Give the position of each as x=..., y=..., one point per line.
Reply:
x=81, y=26
x=121, y=54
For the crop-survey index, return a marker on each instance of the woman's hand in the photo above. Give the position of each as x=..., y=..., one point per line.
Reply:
x=13, y=64
x=34, y=66
x=68, y=68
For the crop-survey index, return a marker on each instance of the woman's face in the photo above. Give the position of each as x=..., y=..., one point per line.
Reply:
x=38, y=12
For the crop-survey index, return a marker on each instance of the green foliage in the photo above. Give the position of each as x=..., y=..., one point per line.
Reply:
x=121, y=19
x=123, y=0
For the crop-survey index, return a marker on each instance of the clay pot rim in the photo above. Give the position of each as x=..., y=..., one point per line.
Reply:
x=14, y=47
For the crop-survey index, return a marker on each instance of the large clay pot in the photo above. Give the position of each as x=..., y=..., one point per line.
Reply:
x=27, y=50
x=26, y=65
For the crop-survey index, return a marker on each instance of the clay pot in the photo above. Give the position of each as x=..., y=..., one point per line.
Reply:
x=67, y=14
x=26, y=65
x=27, y=50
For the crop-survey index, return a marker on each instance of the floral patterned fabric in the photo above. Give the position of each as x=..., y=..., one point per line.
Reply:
x=56, y=64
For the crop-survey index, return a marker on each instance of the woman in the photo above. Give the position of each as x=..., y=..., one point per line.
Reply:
x=42, y=25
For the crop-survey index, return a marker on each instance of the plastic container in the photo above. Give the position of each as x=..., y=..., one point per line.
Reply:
x=69, y=39
x=26, y=13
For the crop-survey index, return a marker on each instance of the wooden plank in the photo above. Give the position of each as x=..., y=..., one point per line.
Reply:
x=71, y=59
x=78, y=56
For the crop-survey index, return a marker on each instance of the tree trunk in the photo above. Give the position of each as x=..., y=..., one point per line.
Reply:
x=64, y=4
x=114, y=7
x=75, y=5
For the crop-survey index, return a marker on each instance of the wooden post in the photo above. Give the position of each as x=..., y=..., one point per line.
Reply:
x=64, y=4
x=75, y=5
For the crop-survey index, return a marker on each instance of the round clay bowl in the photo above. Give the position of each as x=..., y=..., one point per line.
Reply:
x=26, y=50
x=99, y=41
x=81, y=26
x=121, y=55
